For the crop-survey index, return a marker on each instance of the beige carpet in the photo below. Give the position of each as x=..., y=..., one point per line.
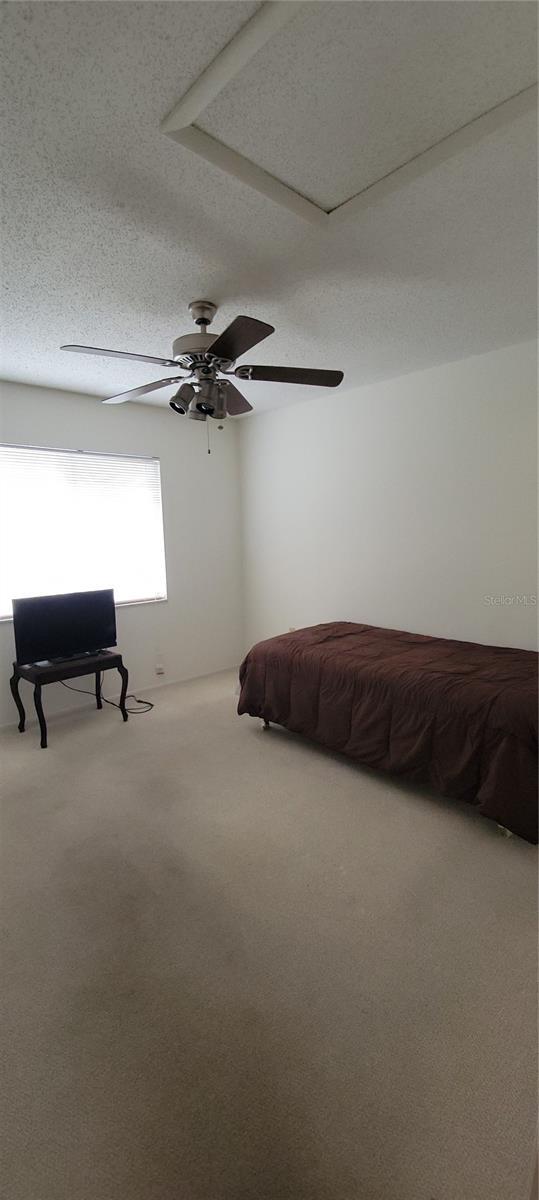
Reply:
x=239, y=968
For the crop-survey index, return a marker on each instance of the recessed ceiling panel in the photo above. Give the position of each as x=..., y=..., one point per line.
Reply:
x=348, y=92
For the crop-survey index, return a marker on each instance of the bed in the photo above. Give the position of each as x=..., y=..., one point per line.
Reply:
x=458, y=716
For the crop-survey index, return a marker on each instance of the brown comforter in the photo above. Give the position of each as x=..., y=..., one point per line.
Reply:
x=458, y=716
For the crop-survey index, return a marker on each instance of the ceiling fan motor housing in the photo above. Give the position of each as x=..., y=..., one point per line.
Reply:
x=192, y=344
x=193, y=350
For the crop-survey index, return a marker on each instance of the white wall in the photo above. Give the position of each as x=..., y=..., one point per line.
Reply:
x=198, y=629
x=403, y=504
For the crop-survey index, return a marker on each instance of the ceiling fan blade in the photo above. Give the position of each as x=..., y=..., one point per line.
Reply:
x=241, y=335
x=304, y=375
x=164, y=362
x=236, y=402
x=141, y=391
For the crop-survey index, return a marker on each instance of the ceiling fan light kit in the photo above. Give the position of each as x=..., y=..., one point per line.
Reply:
x=207, y=357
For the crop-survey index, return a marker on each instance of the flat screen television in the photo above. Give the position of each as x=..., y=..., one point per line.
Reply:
x=52, y=627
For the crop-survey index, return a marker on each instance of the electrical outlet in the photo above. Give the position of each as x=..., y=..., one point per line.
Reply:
x=159, y=669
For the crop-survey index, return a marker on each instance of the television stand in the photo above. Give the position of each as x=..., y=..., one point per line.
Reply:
x=59, y=670
x=72, y=657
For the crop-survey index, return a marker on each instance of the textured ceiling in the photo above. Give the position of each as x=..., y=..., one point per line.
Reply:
x=109, y=229
x=348, y=92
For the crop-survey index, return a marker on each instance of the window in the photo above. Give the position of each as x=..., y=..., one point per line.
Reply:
x=72, y=521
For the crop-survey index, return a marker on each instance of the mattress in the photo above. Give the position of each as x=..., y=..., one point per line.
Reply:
x=458, y=716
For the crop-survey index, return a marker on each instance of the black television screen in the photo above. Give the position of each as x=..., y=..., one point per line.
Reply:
x=49, y=627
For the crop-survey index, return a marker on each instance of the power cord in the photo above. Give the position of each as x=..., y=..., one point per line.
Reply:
x=135, y=712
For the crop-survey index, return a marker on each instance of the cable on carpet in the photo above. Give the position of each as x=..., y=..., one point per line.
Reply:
x=134, y=712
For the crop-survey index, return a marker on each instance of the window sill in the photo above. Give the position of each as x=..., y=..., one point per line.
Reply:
x=117, y=604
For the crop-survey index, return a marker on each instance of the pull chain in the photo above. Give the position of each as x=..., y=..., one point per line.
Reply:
x=208, y=434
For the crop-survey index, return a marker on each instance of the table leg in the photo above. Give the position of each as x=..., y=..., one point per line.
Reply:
x=123, y=694
x=98, y=689
x=40, y=715
x=14, y=685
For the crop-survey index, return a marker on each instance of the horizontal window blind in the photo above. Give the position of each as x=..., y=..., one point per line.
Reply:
x=74, y=521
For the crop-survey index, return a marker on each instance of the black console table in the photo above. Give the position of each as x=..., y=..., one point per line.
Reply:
x=67, y=668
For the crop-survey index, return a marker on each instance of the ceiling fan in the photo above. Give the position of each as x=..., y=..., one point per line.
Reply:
x=207, y=357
